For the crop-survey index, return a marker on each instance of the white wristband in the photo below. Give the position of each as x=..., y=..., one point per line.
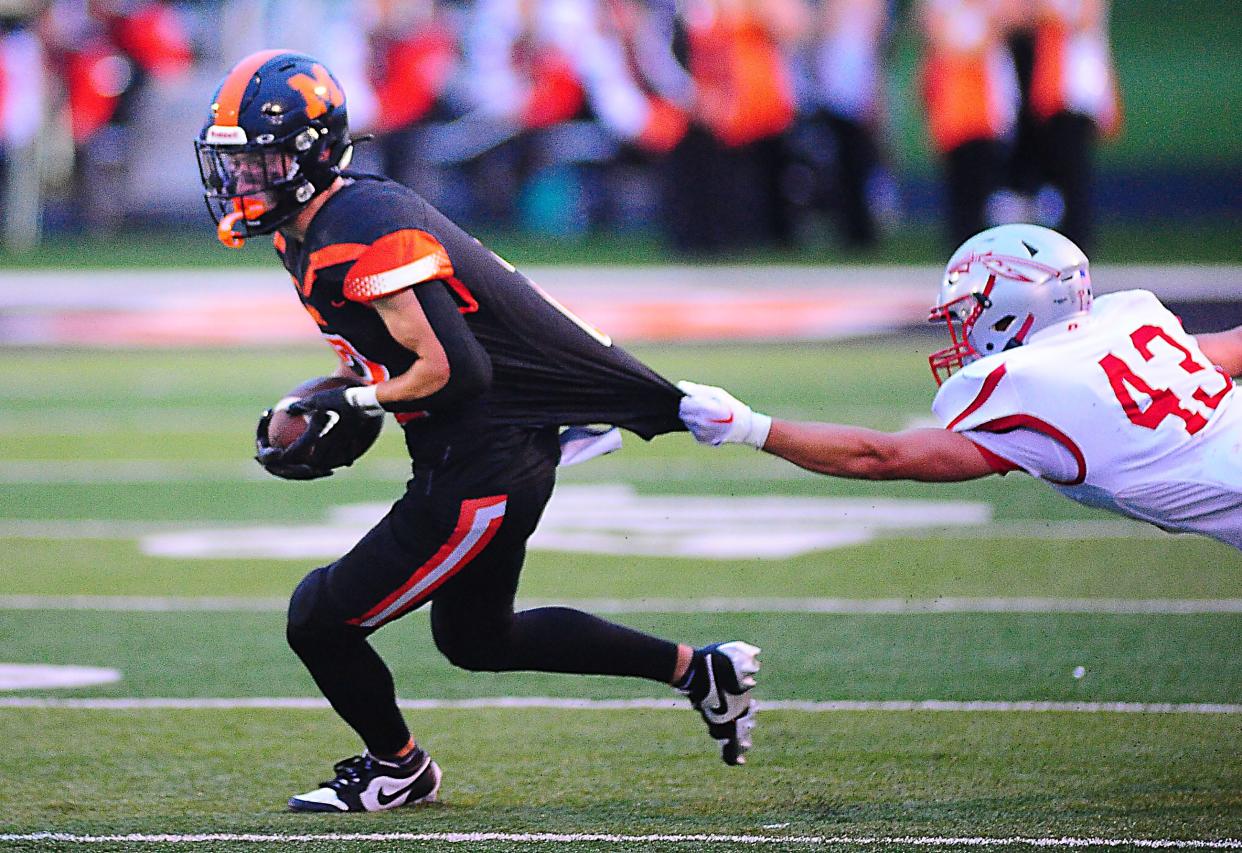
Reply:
x=760, y=425
x=365, y=399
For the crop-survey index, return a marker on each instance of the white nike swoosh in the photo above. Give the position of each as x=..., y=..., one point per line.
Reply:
x=333, y=417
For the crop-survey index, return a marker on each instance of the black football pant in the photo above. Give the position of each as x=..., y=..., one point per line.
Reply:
x=465, y=556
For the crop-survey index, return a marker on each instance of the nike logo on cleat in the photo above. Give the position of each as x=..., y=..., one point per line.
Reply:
x=336, y=304
x=727, y=420
x=384, y=798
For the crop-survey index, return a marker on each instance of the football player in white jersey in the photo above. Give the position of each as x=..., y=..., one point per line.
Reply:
x=1107, y=399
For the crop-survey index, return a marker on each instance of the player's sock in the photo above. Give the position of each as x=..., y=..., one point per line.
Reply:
x=406, y=755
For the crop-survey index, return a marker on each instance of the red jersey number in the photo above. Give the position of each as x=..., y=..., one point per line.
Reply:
x=1164, y=402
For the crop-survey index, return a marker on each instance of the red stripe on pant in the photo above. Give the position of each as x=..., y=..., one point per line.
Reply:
x=477, y=523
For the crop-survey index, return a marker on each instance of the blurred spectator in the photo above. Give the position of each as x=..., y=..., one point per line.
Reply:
x=645, y=39
x=414, y=55
x=534, y=66
x=725, y=191
x=970, y=92
x=23, y=98
x=635, y=178
x=106, y=52
x=728, y=124
x=1068, y=97
x=846, y=112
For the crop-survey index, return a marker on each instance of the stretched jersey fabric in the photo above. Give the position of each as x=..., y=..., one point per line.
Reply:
x=375, y=237
x=1118, y=410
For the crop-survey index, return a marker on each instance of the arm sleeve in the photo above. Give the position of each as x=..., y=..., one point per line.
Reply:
x=470, y=367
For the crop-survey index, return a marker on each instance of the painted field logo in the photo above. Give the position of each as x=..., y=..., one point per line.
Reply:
x=613, y=519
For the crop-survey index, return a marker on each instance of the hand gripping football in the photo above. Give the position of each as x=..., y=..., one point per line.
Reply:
x=322, y=440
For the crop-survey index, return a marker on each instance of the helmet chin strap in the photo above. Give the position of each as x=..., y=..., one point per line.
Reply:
x=225, y=233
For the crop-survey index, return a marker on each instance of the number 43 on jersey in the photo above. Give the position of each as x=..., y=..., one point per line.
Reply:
x=1167, y=402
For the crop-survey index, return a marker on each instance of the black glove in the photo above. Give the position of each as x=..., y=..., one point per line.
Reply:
x=290, y=463
x=332, y=400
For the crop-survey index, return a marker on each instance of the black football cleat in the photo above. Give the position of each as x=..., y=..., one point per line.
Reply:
x=719, y=689
x=366, y=784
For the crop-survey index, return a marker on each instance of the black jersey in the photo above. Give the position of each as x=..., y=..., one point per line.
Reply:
x=374, y=237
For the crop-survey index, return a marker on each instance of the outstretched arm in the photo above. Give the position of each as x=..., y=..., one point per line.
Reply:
x=1223, y=348
x=715, y=417
x=930, y=455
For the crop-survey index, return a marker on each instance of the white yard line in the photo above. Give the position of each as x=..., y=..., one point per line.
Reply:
x=546, y=838
x=842, y=606
x=670, y=704
x=102, y=529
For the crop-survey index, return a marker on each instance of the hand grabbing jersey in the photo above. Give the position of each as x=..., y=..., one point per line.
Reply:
x=716, y=417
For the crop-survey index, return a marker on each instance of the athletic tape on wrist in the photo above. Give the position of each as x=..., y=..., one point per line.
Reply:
x=364, y=398
x=760, y=425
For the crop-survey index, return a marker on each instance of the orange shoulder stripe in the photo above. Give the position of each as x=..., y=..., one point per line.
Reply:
x=330, y=256
x=397, y=261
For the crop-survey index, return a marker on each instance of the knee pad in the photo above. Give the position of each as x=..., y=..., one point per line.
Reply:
x=311, y=616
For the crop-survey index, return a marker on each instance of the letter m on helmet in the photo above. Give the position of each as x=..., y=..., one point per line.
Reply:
x=317, y=91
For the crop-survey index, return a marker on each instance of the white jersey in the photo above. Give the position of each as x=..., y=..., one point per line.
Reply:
x=1117, y=409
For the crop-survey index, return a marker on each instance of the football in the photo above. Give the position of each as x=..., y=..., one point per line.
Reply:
x=284, y=429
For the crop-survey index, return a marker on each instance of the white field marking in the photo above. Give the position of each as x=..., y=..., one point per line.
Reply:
x=388, y=469
x=314, y=545
x=842, y=606
x=34, y=676
x=1062, y=842
x=613, y=519
x=669, y=704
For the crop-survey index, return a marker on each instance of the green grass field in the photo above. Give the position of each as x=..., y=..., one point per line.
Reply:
x=99, y=450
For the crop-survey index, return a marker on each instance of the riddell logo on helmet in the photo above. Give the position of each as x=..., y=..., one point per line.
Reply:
x=317, y=91
x=1005, y=266
x=217, y=135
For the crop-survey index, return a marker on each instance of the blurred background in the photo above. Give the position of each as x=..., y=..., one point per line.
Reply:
x=632, y=130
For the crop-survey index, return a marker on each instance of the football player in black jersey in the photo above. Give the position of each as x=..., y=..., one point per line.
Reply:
x=482, y=370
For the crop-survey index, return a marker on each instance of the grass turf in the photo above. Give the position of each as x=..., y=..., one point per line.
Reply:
x=645, y=773
x=187, y=416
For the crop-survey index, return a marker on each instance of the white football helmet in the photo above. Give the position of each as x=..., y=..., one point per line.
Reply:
x=1001, y=286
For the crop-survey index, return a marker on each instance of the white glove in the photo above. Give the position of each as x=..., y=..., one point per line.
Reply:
x=716, y=417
